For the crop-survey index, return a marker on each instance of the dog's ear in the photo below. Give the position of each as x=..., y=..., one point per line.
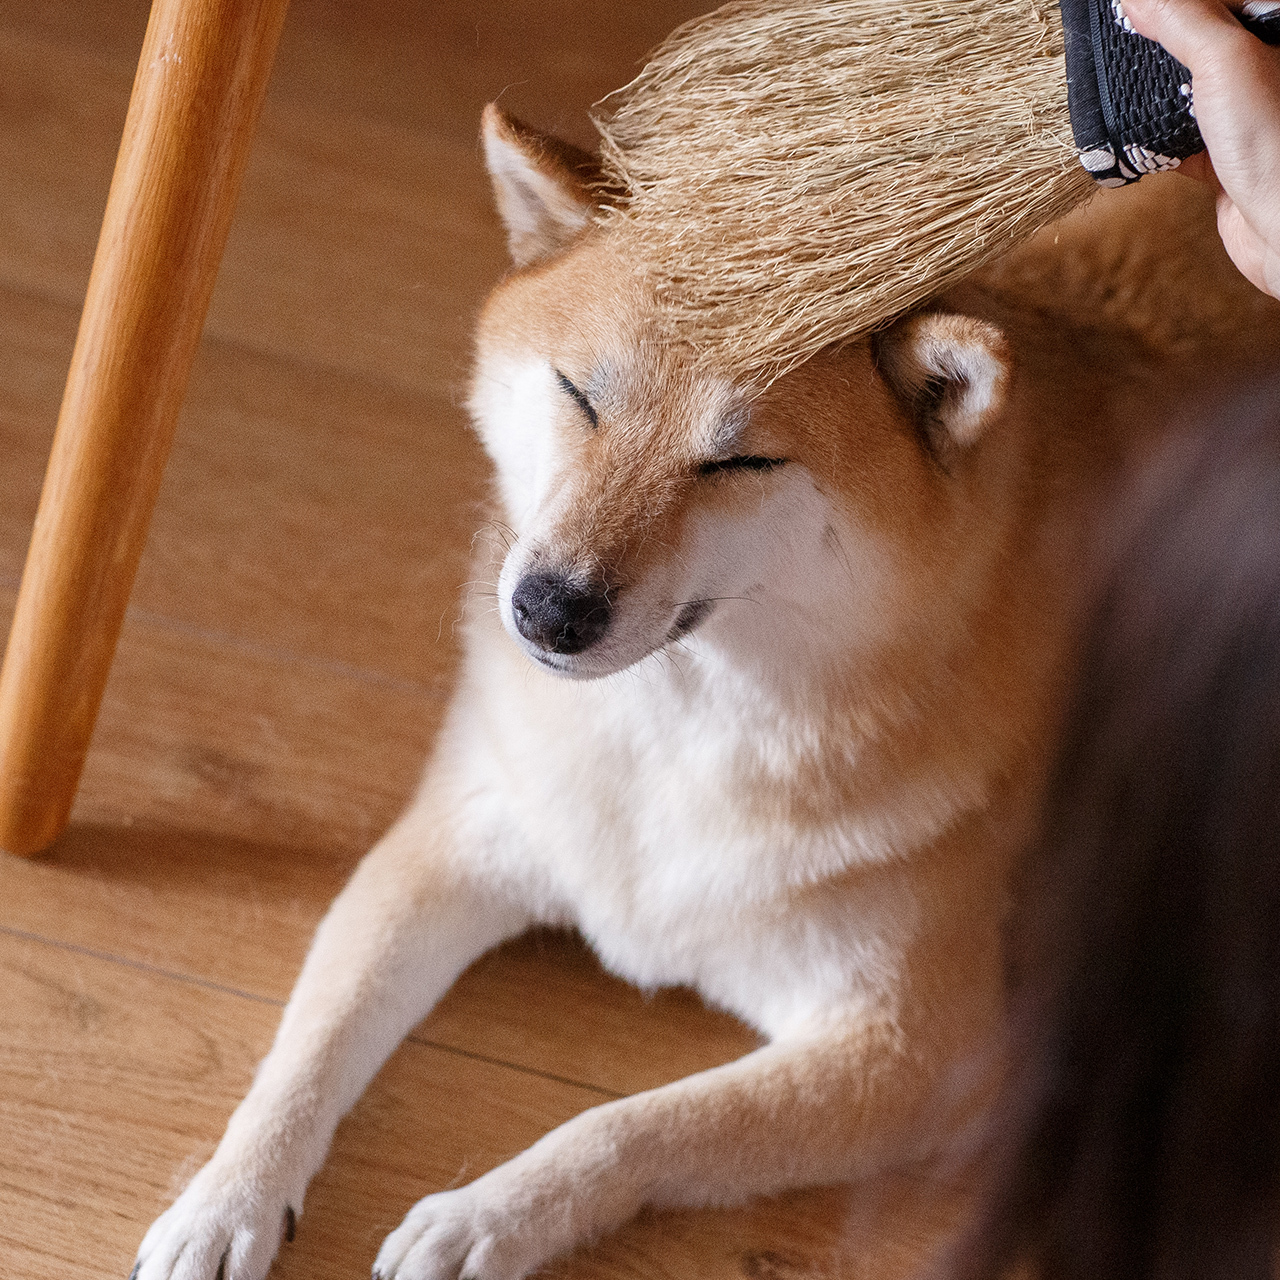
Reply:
x=949, y=372
x=544, y=188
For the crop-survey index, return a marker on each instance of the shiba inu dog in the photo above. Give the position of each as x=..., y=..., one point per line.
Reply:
x=764, y=709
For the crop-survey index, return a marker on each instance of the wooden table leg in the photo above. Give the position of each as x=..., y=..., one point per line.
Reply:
x=199, y=87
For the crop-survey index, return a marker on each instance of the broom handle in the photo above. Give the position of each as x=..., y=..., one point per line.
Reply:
x=200, y=82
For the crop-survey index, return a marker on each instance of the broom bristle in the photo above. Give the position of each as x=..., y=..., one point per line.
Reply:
x=801, y=171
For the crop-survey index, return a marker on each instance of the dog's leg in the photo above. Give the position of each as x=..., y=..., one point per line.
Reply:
x=397, y=936
x=804, y=1111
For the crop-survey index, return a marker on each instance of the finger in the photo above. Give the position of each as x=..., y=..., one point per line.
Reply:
x=1194, y=31
x=1256, y=261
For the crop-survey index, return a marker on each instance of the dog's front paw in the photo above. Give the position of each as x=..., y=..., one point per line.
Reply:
x=473, y=1233
x=222, y=1227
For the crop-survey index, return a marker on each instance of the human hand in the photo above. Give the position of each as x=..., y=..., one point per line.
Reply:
x=1235, y=80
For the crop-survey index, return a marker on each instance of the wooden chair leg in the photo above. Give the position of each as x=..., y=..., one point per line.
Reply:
x=199, y=87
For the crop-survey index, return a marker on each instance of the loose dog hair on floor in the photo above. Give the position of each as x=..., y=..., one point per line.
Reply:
x=1141, y=1132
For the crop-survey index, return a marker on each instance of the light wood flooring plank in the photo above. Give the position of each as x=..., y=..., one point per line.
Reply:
x=241, y=916
x=199, y=734
x=35, y=348
x=295, y=602
x=365, y=238
x=356, y=245
x=302, y=510
x=421, y=66
x=317, y=513
x=63, y=113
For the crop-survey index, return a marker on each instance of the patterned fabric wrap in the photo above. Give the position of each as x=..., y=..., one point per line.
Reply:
x=1131, y=103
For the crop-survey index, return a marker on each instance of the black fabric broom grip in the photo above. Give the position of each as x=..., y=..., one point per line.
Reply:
x=1264, y=25
x=1132, y=104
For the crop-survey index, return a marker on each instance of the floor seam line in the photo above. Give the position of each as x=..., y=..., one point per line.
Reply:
x=207, y=984
x=140, y=965
x=515, y=1066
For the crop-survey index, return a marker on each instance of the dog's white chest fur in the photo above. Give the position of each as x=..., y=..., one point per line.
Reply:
x=626, y=807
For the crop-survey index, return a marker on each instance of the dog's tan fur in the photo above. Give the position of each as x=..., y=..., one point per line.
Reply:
x=810, y=806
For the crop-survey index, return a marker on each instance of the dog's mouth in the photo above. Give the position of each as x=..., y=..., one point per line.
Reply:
x=596, y=661
x=556, y=662
x=690, y=617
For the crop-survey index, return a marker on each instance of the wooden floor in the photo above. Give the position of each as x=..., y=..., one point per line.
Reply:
x=288, y=654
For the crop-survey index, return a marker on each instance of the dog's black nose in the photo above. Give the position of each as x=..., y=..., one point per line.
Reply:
x=559, y=615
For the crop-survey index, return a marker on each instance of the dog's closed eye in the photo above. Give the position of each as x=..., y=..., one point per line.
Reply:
x=745, y=463
x=578, y=398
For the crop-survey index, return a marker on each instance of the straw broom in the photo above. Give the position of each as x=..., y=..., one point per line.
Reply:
x=802, y=171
